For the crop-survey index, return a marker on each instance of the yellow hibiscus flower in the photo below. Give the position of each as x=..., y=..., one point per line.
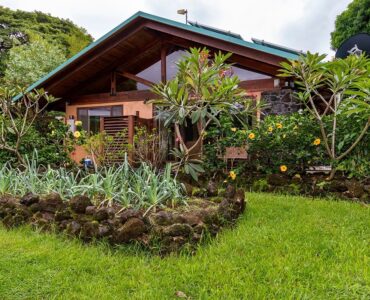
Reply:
x=251, y=136
x=270, y=129
x=283, y=168
x=78, y=123
x=234, y=129
x=232, y=175
x=279, y=125
x=77, y=134
x=317, y=142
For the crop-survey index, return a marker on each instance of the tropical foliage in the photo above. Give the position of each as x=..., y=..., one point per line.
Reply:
x=203, y=88
x=28, y=63
x=355, y=19
x=20, y=27
x=333, y=91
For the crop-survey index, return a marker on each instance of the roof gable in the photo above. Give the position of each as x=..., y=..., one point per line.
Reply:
x=72, y=64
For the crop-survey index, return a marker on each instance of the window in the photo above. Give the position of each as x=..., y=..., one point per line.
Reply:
x=90, y=116
x=245, y=75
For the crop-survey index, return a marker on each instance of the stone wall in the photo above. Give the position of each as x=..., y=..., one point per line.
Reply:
x=164, y=230
x=280, y=102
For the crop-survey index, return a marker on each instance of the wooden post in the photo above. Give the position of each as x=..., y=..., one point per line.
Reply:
x=101, y=124
x=163, y=63
x=131, y=132
x=113, y=84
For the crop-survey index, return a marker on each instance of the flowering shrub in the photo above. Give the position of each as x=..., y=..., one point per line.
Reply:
x=287, y=144
x=284, y=144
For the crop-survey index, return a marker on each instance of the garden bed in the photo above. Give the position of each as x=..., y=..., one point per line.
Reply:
x=164, y=230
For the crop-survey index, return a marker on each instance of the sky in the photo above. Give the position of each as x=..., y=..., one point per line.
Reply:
x=298, y=24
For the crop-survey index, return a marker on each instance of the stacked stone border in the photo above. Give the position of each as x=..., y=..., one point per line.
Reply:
x=166, y=230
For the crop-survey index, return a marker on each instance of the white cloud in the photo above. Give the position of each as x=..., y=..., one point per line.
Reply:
x=300, y=24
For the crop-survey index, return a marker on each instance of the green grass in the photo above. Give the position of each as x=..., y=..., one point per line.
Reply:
x=283, y=247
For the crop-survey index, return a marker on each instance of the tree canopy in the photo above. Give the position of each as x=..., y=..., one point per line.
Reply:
x=29, y=62
x=355, y=19
x=19, y=27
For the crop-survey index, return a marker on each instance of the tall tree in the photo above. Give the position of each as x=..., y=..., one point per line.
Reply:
x=355, y=19
x=17, y=27
x=29, y=62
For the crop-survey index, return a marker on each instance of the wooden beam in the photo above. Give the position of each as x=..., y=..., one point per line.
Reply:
x=218, y=44
x=113, y=84
x=164, y=63
x=136, y=78
x=97, y=52
x=131, y=133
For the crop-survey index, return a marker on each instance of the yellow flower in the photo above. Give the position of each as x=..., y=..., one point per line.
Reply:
x=232, y=175
x=234, y=129
x=251, y=136
x=283, y=168
x=77, y=134
x=270, y=129
x=279, y=125
x=52, y=132
x=78, y=123
x=284, y=136
x=317, y=142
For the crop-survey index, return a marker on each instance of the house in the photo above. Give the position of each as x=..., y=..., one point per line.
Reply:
x=107, y=84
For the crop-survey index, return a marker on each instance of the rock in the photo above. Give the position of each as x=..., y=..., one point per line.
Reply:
x=178, y=230
x=63, y=214
x=230, y=192
x=89, y=230
x=355, y=189
x=90, y=210
x=51, y=203
x=111, y=212
x=297, y=178
x=191, y=218
x=161, y=218
x=73, y=228
x=277, y=180
x=101, y=214
x=35, y=207
x=212, y=189
x=127, y=214
x=367, y=188
x=79, y=203
x=336, y=186
x=29, y=199
x=103, y=230
x=8, y=202
x=132, y=229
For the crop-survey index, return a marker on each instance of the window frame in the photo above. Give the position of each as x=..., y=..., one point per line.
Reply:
x=99, y=106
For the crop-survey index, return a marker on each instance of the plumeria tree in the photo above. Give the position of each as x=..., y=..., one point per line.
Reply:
x=18, y=116
x=203, y=88
x=333, y=92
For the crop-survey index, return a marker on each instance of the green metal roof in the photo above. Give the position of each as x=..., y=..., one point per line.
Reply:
x=195, y=29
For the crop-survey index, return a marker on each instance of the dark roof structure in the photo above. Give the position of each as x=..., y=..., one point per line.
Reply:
x=136, y=43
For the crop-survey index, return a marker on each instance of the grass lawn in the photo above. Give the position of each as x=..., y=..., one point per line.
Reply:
x=283, y=247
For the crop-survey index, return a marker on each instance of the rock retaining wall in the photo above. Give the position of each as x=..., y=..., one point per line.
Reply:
x=168, y=230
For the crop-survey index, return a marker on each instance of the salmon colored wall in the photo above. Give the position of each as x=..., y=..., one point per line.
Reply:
x=129, y=108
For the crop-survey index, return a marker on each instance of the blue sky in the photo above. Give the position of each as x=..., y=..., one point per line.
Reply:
x=299, y=24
